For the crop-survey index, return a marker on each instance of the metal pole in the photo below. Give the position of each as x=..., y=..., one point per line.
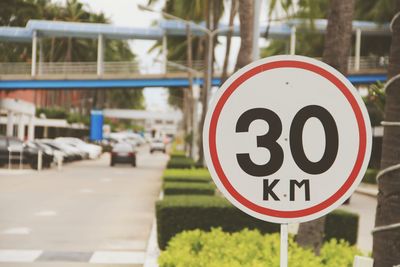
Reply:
x=196, y=94
x=100, y=54
x=256, y=29
x=34, y=49
x=357, y=50
x=293, y=40
x=284, y=245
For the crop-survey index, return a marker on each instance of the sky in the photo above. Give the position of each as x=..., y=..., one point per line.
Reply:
x=126, y=13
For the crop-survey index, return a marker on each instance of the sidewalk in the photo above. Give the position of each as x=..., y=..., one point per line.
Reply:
x=368, y=189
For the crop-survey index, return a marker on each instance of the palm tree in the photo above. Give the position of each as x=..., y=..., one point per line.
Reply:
x=246, y=10
x=232, y=14
x=386, y=245
x=336, y=52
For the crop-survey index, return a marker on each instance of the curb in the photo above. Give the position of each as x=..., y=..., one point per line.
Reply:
x=371, y=192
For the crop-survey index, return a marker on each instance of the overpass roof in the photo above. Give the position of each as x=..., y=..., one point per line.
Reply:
x=170, y=27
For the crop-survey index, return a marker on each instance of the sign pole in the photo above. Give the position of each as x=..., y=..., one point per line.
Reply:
x=284, y=245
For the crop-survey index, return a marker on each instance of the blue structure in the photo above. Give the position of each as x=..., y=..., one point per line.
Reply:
x=140, y=83
x=96, y=125
x=36, y=29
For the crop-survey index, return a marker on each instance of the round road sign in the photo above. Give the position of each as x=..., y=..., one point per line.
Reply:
x=287, y=139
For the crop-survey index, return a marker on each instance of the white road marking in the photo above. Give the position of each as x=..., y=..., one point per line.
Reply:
x=46, y=213
x=86, y=191
x=17, y=231
x=9, y=255
x=117, y=257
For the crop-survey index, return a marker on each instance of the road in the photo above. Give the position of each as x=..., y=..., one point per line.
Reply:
x=365, y=206
x=86, y=213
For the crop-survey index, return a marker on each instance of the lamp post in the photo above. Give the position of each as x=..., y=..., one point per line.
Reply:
x=196, y=96
x=210, y=34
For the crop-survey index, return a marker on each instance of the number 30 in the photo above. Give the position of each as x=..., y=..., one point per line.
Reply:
x=269, y=140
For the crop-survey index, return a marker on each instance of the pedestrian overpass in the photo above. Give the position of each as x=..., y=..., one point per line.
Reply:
x=84, y=75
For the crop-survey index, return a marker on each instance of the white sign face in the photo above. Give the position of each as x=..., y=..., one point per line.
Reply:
x=287, y=139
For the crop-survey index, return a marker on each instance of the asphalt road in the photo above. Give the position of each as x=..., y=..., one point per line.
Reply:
x=365, y=206
x=88, y=212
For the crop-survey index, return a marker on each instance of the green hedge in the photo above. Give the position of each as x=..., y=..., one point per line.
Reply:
x=341, y=224
x=179, y=213
x=180, y=163
x=249, y=249
x=370, y=176
x=187, y=212
x=181, y=188
x=187, y=175
x=178, y=153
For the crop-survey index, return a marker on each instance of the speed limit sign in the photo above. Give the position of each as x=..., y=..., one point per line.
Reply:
x=287, y=139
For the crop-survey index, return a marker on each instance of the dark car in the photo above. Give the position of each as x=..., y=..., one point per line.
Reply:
x=47, y=153
x=13, y=150
x=123, y=153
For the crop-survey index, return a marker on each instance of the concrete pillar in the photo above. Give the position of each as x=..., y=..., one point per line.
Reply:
x=34, y=49
x=40, y=57
x=100, y=55
x=10, y=123
x=256, y=29
x=164, y=53
x=293, y=40
x=357, y=48
x=21, y=127
x=45, y=132
x=31, y=128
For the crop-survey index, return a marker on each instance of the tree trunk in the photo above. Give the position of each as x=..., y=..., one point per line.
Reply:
x=204, y=93
x=386, y=244
x=232, y=15
x=190, y=78
x=246, y=13
x=336, y=53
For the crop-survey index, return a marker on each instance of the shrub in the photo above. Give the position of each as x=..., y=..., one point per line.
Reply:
x=180, y=163
x=179, y=213
x=187, y=175
x=178, y=154
x=248, y=249
x=341, y=224
x=181, y=188
x=370, y=176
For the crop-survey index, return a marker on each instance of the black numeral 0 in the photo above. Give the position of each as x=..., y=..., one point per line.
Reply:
x=331, y=139
x=269, y=140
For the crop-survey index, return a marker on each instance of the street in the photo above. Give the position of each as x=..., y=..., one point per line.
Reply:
x=365, y=206
x=88, y=212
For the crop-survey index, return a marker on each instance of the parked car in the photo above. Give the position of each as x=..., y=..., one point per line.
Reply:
x=70, y=154
x=14, y=151
x=58, y=155
x=94, y=151
x=157, y=145
x=123, y=153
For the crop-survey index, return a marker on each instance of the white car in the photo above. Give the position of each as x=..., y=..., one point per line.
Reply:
x=94, y=151
x=157, y=145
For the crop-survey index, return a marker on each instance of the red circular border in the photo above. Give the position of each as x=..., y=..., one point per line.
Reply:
x=287, y=64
